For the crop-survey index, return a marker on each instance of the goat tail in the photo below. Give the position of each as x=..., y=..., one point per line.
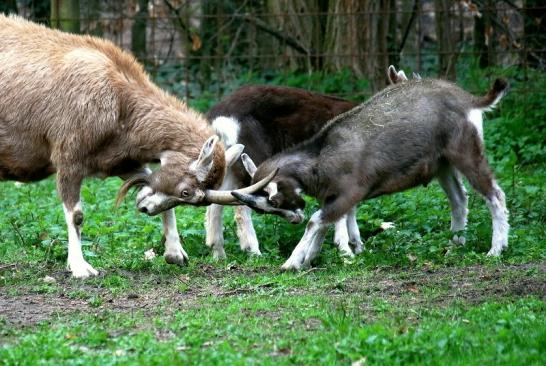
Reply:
x=494, y=95
x=137, y=181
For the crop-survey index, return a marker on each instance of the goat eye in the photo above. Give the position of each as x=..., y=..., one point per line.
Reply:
x=185, y=193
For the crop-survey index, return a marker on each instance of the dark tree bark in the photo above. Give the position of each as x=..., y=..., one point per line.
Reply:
x=65, y=15
x=40, y=11
x=138, y=31
x=392, y=36
x=92, y=18
x=480, y=46
x=300, y=32
x=535, y=33
x=447, y=50
x=349, y=38
x=8, y=7
x=381, y=51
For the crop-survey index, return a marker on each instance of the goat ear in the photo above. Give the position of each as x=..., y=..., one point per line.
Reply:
x=392, y=74
x=249, y=164
x=401, y=75
x=203, y=164
x=205, y=156
x=233, y=153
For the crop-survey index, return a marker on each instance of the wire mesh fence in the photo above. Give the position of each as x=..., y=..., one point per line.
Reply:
x=197, y=47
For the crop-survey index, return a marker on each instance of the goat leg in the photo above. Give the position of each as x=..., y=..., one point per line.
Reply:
x=309, y=245
x=68, y=186
x=245, y=230
x=341, y=237
x=214, y=231
x=174, y=253
x=450, y=182
x=354, y=232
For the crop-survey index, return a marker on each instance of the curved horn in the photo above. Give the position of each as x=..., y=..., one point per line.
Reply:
x=137, y=180
x=226, y=198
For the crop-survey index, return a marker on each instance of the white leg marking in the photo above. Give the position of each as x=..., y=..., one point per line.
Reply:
x=499, y=215
x=245, y=230
x=458, y=199
x=475, y=116
x=214, y=221
x=174, y=253
x=76, y=263
x=354, y=232
x=309, y=244
x=341, y=237
x=214, y=228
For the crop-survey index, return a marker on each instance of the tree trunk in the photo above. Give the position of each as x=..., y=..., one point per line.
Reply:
x=349, y=29
x=484, y=35
x=392, y=39
x=138, y=31
x=480, y=46
x=445, y=26
x=9, y=6
x=303, y=29
x=210, y=43
x=65, y=15
x=40, y=11
x=92, y=18
x=381, y=51
x=535, y=33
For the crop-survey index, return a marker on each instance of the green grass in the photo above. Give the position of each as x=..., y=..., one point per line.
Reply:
x=410, y=298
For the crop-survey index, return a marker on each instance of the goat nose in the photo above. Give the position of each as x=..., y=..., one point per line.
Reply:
x=143, y=209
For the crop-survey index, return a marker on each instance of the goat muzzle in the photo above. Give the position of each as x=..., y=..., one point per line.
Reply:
x=227, y=197
x=262, y=205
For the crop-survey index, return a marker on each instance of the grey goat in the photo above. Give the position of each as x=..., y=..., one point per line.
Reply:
x=403, y=137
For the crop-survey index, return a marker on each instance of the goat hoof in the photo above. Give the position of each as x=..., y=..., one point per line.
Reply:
x=494, y=252
x=359, y=248
x=82, y=269
x=253, y=252
x=179, y=257
x=218, y=253
x=291, y=266
x=346, y=253
x=458, y=240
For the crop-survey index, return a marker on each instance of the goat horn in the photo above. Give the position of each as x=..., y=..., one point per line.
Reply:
x=137, y=180
x=226, y=198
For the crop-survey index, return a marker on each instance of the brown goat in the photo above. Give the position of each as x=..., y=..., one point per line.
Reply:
x=79, y=106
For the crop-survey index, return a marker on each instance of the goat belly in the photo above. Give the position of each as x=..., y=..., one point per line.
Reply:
x=26, y=176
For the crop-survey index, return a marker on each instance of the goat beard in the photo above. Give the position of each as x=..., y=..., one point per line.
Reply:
x=136, y=181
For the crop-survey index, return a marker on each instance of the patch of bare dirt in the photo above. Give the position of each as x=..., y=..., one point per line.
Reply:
x=473, y=284
x=161, y=295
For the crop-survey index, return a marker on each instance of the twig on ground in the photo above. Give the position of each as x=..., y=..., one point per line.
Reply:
x=310, y=270
x=12, y=222
x=6, y=266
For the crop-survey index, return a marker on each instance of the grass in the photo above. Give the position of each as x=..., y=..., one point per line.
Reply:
x=410, y=298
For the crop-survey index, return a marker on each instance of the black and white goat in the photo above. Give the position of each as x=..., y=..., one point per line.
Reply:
x=268, y=120
x=403, y=137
